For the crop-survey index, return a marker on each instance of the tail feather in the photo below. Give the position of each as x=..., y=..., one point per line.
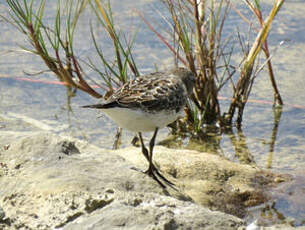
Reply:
x=102, y=106
x=96, y=106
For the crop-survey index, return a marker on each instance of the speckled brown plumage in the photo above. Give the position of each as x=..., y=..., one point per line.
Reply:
x=152, y=92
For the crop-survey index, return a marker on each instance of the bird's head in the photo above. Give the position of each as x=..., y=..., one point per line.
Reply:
x=187, y=77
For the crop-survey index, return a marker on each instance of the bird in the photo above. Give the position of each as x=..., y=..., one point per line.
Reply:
x=148, y=103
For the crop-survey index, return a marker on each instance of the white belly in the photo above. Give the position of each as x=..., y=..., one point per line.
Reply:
x=138, y=121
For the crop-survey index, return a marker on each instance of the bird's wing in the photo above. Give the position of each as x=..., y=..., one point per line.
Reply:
x=150, y=92
x=154, y=91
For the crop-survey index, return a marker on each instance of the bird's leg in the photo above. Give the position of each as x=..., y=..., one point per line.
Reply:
x=148, y=157
x=151, y=147
x=152, y=167
x=144, y=149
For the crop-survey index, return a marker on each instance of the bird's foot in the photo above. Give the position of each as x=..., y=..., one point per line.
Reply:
x=153, y=172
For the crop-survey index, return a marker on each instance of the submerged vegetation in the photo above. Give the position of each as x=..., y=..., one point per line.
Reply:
x=195, y=29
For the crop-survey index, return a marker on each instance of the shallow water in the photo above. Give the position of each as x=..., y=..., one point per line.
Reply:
x=270, y=138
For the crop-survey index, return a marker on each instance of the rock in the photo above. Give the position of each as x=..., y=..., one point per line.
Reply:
x=151, y=212
x=2, y=214
x=209, y=180
x=255, y=226
x=48, y=182
x=282, y=227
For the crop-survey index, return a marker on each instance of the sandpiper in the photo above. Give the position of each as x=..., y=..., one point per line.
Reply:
x=148, y=103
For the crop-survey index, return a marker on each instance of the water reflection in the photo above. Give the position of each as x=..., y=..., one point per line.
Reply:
x=211, y=140
x=238, y=141
x=277, y=113
x=286, y=207
x=71, y=92
x=267, y=214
